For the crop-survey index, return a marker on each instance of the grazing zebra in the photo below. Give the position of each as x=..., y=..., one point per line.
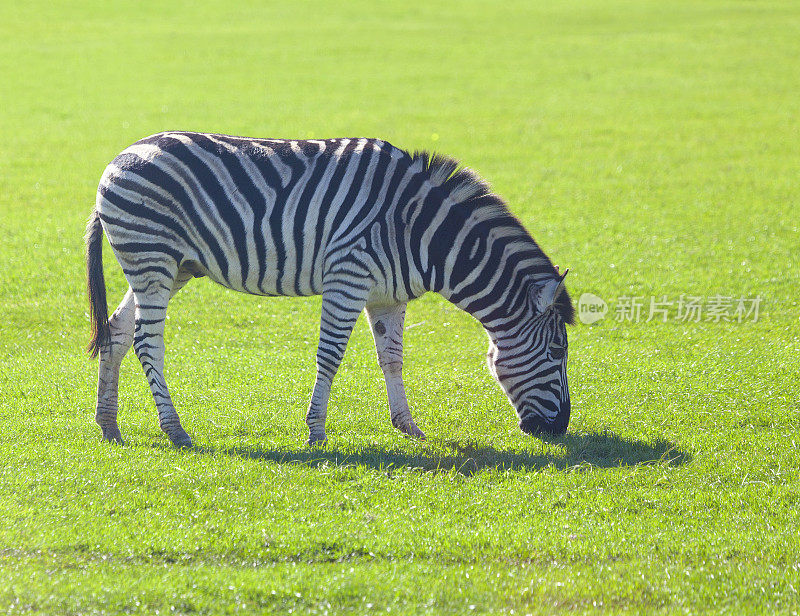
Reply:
x=361, y=222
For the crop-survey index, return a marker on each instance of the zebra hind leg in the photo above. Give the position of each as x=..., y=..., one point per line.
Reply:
x=148, y=343
x=386, y=323
x=111, y=355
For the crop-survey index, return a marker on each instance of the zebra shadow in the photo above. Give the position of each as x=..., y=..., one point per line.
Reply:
x=466, y=458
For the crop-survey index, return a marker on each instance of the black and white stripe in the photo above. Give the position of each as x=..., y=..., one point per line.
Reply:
x=364, y=224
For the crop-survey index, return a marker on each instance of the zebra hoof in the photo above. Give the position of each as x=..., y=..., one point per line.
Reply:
x=180, y=439
x=317, y=440
x=112, y=434
x=414, y=432
x=409, y=429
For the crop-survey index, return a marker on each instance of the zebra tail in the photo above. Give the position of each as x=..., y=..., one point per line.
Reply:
x=96, y=285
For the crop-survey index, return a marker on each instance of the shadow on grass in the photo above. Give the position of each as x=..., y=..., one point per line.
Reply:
x=599, y=450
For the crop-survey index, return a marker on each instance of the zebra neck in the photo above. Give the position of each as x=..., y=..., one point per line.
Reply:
x=463, y=243
x=486, y=265
x=499, y=310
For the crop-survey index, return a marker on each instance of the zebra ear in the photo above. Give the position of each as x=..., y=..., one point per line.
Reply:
x=545, y=294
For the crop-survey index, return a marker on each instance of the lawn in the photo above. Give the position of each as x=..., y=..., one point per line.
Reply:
x=653, y=148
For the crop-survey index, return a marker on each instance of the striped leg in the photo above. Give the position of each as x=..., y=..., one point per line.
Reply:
x=341, y=304
x=111, y=355
x=148, y=343
x=386, y=323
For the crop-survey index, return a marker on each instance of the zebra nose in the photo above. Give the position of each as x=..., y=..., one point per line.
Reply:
x=534, y=424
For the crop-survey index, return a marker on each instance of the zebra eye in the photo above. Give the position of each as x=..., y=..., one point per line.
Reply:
x=557, y=351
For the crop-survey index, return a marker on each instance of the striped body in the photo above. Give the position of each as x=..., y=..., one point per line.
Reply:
x=359, y=221
x=261, y=216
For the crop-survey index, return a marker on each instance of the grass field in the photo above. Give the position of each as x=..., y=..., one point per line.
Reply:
x=651, y=147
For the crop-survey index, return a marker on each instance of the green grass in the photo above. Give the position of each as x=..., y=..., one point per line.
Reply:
x=651, y=147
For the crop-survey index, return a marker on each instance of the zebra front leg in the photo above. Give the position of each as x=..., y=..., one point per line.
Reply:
x=386, y=323
x=148, y=343
x=111, y=355
x=341, y=305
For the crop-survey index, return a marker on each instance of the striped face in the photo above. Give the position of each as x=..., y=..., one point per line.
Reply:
x=530, y=363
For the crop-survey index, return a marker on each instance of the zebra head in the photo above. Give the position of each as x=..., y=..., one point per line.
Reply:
x=529, y=360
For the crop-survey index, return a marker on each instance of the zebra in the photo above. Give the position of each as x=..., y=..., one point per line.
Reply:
x=366, y=225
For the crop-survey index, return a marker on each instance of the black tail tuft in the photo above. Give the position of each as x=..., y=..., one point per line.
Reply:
x=96, y=285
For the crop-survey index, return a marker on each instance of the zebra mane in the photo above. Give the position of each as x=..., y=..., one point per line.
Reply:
x=463, y=186
x=461, y=183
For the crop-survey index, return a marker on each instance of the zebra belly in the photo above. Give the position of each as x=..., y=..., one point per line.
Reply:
x=274, y=283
